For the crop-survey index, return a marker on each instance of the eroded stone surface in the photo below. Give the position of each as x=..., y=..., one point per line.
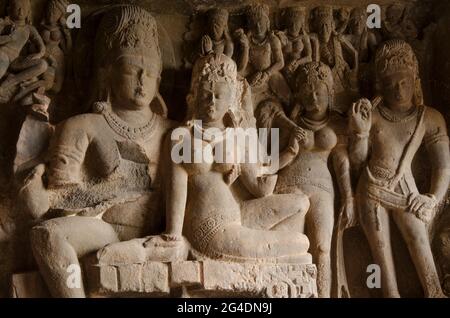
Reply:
x=86, y=155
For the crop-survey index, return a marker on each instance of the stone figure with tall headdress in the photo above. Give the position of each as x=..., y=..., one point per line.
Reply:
x=103, y=168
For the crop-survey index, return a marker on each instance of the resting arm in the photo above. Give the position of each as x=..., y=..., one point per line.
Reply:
x=176, y=188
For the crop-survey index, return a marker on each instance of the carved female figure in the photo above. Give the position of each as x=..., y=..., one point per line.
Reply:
x=297, y=47
x=386, y=137
x=365, y=43
x=201, y=205
x=58, y=42
x=305, y=166
x=331, y=49
x=218, y=39
x=15, y=33
x=261, y=58
x=103, y=168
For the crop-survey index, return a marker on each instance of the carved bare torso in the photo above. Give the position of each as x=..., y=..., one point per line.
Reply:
x=260, y=54
x=311, y=164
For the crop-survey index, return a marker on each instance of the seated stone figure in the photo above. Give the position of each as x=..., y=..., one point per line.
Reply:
x=261, y=57
x=201, y=208
x=386, y=137
x=103, y=168
x=17, y=65
x=315, y=145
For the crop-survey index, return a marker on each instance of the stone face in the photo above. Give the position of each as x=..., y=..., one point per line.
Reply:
x=101, y=133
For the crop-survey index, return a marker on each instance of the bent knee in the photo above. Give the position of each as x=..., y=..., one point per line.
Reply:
x=44, y=234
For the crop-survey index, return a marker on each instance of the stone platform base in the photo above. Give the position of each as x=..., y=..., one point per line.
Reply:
x=203, y=279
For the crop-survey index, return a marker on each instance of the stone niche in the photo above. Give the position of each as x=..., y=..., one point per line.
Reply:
x=42, y=98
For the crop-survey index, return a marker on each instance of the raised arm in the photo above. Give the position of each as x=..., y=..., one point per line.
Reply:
x=308, y=56
x=359, y=129
x=243, y=58
x=315, y=47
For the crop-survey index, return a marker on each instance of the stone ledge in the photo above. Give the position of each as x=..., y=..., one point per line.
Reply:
x=203, y=279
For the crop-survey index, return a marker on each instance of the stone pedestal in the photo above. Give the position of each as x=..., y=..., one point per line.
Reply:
x=203, y=279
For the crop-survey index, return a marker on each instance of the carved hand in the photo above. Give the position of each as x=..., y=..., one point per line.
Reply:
x=422, y=205
x=298, y=138
x=242, y=37
x=361, y=117
x=349, y=213
x=207, y=45
x=232, y=176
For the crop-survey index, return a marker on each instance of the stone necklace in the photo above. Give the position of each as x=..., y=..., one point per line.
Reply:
x=313, y=125
x=121, y=127
x=391, y=116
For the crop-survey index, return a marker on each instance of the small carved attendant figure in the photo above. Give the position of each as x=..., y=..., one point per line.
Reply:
x=201, y=205
x=397, y=23
x=331, y=52
x=385, y=140
x=218, y=39
x=261, y=59
x=297, y=48
x=104, y=168
x=343, y=19
x=15, y=33
x=58, y=42
x=365, y=43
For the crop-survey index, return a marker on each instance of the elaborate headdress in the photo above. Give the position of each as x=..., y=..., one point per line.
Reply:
x=257, y=11
x=128, y=30
x=323, y=13
x=394, y=56
x=294, y=12
x=217, y=12
x=315, y=72
x=213, y=68
x=61, y=5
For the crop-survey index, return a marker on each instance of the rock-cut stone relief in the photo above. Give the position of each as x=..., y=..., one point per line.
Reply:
x=146, y=206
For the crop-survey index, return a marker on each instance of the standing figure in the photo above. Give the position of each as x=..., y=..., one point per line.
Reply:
x=218, y=39
x=58, y=41
x=17, y=65
x=331, y=52
x=296, y=43
x=313, y=144
x=261, y=58
x=386, y=137
x=365, y=43
x=342, y=20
